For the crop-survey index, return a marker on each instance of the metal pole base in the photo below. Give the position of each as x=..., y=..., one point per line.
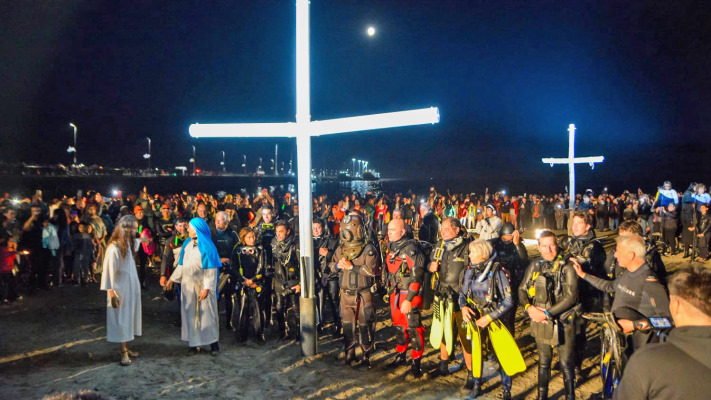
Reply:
x=309, y=335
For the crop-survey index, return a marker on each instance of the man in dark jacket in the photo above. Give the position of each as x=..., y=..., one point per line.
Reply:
x=638, y=289
x=688, y=220
x=703, y=233
x=680, y=367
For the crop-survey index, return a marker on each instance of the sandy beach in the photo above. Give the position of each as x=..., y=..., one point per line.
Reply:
x=55, y=341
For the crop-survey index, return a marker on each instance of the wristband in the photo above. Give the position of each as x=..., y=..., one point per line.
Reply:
x=489, y=318
x=548, y=315
x=526, y=307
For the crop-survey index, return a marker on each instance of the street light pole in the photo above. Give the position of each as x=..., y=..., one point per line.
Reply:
x=244, y=163
x=353, y=169
x=149, y=152
x=223, y=162
x=75, y=142
x=194, y=168
x=276, y=159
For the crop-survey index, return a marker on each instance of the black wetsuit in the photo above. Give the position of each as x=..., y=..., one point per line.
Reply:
x=429, y=228
x=591, y=255
x=225, y=241
x=285, y=258
x=264, y=234
x=555, y=289
x=453, y=258
x=326, y=282
x=514, y=259
x=491, y=295
x=249, y=263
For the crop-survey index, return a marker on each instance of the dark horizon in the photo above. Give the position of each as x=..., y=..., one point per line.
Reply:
x=508, y=78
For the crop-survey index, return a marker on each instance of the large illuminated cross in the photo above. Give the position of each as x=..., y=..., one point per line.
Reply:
x=303, y=130
x=571, y=161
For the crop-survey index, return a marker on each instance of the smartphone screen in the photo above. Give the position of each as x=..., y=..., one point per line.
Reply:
x=660, y=323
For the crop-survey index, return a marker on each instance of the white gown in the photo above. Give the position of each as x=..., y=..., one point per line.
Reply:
x=200, y=322
x=119, y=274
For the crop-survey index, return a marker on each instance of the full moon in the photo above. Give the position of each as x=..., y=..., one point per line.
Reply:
x=371, y=31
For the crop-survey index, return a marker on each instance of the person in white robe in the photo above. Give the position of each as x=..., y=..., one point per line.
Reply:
x=123, y=290
x=197, y=273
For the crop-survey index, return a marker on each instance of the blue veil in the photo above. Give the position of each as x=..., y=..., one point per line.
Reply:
x=208, y=251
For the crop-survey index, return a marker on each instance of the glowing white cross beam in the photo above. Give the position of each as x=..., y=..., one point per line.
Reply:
x=571, y=161
x=318, y=128
x=303, y=129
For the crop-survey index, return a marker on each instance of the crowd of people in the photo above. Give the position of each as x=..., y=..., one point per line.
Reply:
x=461, y=254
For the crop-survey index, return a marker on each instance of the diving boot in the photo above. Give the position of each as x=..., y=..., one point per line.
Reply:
x=415, y=368
x=476, y=389
x=442, y=369
x=400, y=359
x=366, y=360
x=544, y=377
x=469, y=384
x=350, y=356
x=569, y=384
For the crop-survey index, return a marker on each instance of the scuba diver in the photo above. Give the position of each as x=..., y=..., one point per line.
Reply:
x=512, y=254
x=225, y=241
x=448, y=263
x=327, y=282
x=404, y=275
x=249, y=262
x=549, y=294
x=590, y=254
x=358, y=263
x=485, y=298
x=286, y=283
x=264, y=233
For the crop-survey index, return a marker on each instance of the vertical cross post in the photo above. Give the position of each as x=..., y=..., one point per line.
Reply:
x=303, y=130
x=571, y=161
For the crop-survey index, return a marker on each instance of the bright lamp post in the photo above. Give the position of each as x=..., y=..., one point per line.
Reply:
x=147, y=156
x=74, y=149
x=353, y=169
x=223, y=163
x=193, y=161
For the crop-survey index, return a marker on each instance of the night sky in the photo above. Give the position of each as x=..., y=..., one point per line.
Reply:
x=508, y=77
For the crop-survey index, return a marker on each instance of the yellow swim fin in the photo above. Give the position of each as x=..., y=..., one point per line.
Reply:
x=474, y=336
x=448, y=326
x=436, y=328
x=506, y=349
